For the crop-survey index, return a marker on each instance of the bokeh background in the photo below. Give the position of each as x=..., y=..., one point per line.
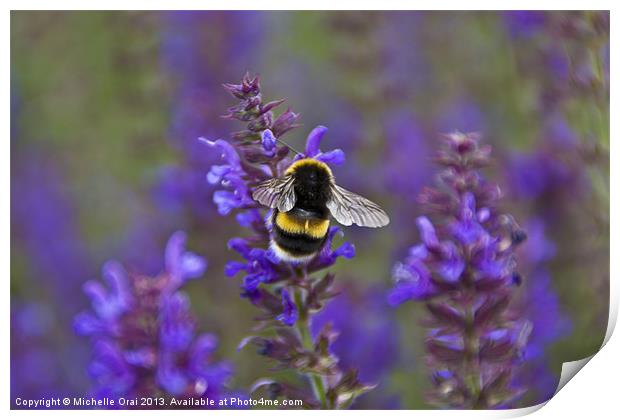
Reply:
x=107, y=106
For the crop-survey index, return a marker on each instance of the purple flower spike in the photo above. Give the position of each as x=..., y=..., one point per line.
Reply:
x=525, y=23
x=253, y=156
x=143, y=332
x=464, y=271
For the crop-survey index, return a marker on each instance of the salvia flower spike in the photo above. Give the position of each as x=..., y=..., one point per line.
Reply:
x=143, y=334
x=464, y=270
x=288, y=294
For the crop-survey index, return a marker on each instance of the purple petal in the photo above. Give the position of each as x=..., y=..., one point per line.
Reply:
x=180, y=264
x=86, y=324
x=193, y=265
x=346, y=250
x=314, y=140
x=217, y=173
x=269, y=142
x=173, y=253
x=110, y=368
x=427, y=232
x=116, y=277
x=248, y=218
x=201, y=353
x=229, y=153
x=169, y=376
x=144, y=357
x=240, y=245
x=226, y=202
x=333, y=157
x=233, y=267
x=418, y=252
x=289, y=314
x=452, y=265
x=411, y=283
x=176, y=325
x=468, y=207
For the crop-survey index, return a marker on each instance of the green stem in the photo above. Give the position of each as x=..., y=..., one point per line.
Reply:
x=303, y=329
x=471, y=360
x=471, y=345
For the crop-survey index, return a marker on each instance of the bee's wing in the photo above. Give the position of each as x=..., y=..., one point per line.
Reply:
x=276, y=193
x=348, y=207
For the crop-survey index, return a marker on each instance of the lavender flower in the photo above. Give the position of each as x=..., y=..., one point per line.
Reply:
x=551, y=173
x=464, y=271
x=54, y=259
x=143, y=333
x=42, y=364
x=51, y=237
x=286, y=293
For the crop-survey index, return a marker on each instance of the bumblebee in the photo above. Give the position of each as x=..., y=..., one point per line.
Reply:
x=303, y=200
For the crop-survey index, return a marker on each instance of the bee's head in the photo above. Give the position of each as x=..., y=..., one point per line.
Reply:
x=313, y=177
x=311, y=171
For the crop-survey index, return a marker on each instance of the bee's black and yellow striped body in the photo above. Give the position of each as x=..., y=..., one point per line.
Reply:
x=303, y=200
x=300, y=233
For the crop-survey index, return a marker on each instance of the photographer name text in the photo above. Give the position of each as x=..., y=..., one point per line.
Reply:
x=154, y=402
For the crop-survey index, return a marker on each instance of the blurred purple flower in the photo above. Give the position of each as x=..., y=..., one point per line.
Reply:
x=551, y=172
x=406, y=153
x=50, y=237
x=524, y=23
x=44, y=364
x=535, y=174
x=45, y=361
x=464, y=270
x=143, y=333
x=403, y=70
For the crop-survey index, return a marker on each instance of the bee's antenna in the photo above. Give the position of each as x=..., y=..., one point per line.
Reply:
x=289, y=146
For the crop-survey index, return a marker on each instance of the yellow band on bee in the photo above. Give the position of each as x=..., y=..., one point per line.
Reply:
x=308, y=162
x=316, y=228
